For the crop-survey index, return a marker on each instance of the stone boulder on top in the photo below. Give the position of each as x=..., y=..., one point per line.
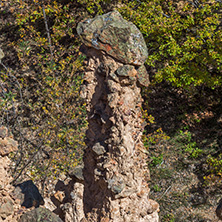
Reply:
x=116, y=36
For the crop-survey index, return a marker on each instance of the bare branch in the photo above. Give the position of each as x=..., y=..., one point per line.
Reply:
x=10, y=75
x=164, y=193
x=28, y=162
x=47, y=30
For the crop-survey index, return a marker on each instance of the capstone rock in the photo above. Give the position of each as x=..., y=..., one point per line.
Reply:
x=116, y=36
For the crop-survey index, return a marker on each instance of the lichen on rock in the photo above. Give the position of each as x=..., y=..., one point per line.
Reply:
x=116, y=36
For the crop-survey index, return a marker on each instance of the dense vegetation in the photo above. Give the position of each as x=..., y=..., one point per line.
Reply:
x=183, y=38
x=42, y=72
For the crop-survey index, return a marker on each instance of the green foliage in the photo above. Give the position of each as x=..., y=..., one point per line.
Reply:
x=184, y=141
x=216, y=164
x=95, y=7
x=156, y=160
x=169, y=218
x=155, y=137
x=92, y=6
x=184, y=42
x=51, y=113
x=215, y=170
x=156, y=188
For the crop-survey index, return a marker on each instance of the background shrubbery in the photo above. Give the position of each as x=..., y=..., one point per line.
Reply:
x=42, y=72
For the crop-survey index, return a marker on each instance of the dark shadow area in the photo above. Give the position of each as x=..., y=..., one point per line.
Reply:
x=219, y=210
x=62, y=197
x=29, y=194
x=167, y=106
x=173, y=108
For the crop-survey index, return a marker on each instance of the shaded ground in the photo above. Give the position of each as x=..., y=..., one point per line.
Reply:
x=178, y=165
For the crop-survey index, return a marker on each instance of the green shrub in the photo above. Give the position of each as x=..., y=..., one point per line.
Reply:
x=183, y=39
x=183, y=140
x=51, y=115
x=214, y=174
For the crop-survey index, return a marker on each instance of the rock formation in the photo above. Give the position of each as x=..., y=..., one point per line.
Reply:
x=8, y=205
x=115, y=170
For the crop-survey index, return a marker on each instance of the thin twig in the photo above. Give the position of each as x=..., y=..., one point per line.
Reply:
x=47, y=30
x=165, y=15
x=10, y=75
x=164, y=193
x=137, y=4
x=29, y=161
x=195, y=3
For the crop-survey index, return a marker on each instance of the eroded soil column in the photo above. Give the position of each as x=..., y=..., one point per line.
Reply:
x=115, y=170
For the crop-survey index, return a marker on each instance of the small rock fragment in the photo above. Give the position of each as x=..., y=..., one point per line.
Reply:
x=77, y=173
x=143, y=76
x=98, y=149
x=40, y=214
x=2, y=55
x=6, y=209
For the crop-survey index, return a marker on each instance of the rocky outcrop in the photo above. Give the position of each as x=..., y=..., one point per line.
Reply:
x=19, y=201
x=7, y=143
x=115, y=170
x=8, y=205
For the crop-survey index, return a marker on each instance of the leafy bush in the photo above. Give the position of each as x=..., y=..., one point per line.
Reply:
x=183, y=39
x=169, y=217
x=215, y=170
x=156, y=160
x=156, y=188
x=98, y=6
x=48, y=115
x=183, y=140
x=155, y=137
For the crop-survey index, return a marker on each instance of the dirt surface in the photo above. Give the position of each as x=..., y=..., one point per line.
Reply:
x=178, y=183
